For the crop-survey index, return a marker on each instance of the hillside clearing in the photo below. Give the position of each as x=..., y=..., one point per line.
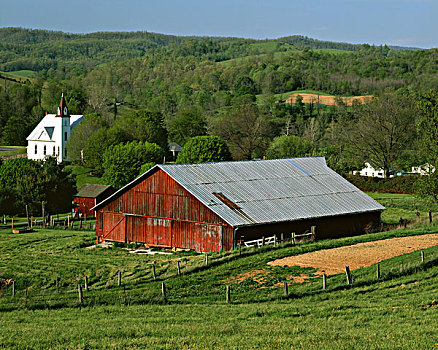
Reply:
x=333, y=261
x=327, y=100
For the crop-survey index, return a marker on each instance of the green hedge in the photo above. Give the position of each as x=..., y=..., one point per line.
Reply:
x=399, y=184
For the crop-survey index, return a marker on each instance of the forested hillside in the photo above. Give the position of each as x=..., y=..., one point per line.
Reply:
x=153, y=88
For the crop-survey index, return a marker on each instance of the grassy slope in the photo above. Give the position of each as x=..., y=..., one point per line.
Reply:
x=20, y=75
x=404, y=206
x=83, y=176
x=371, y=314
x=16, y=150
x=368, y=315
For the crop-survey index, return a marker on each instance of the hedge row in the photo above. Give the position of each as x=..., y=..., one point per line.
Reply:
x=399, y=184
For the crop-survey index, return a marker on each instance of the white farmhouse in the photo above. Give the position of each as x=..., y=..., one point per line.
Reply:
x=370, y=171
x=50, y=136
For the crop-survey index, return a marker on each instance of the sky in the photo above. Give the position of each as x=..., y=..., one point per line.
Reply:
x=410, y=23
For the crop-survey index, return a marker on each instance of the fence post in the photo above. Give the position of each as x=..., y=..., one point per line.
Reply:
x=27, y=216
x=378, y=271
x=13, y=288
x=348, y=274
x=286, y=292
x=324, y=281
x=275, y=240
x=57, y=285
x=293, y=238
x=81, y=297
x=86, y=283
x=228, y=295
x=422, y=256
x=206, y=259
x=163, y=291
x=240, y=248
x=430, y=216
x=43, y=214
x=153, y=272
x=263, y=241
x=119, y=280
x=313, y=230
x=178, y=267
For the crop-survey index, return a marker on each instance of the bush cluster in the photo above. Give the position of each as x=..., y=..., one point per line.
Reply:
x=398, y=184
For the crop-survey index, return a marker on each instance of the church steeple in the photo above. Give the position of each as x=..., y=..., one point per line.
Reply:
x=62, y=109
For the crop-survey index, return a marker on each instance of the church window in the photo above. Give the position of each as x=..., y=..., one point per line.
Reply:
x=65, y=153
x=53, y=150
x=36, y=149
x=44, y=150
x=65, y=136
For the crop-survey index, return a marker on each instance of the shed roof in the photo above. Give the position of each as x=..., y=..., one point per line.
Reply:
x=92, y=190
x=266, y=191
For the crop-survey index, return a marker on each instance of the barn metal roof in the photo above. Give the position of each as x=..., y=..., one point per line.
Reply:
x=265, y=191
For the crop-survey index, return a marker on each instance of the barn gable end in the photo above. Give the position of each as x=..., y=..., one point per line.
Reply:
x=160, y=212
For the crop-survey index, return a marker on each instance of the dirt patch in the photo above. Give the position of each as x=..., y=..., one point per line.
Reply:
x=259, y=276
x=333, y=261
x=327, y=100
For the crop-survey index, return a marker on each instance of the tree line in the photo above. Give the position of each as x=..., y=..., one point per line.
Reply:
x=219, y=93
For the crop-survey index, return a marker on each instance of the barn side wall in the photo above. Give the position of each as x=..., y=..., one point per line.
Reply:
x=160, y=212
x=84, y=205
x=328, y=227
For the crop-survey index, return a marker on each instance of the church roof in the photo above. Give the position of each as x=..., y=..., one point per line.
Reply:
x=47, y=127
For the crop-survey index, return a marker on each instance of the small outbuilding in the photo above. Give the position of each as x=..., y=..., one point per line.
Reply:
x=88, y=196
x=212, y=206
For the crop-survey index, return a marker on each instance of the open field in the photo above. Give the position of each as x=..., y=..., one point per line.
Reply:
x=83, y=175
x=370, y=314
x=20, y=75
x=327, y=99
x=332, y=261
x=6, y=151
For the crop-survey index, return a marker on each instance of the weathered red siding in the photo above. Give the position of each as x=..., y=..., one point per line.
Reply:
x=158, y=211
x=83, y=205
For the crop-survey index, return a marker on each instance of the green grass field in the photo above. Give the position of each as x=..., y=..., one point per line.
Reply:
x=83, y=176
x=20, y=75
x=398, y=311
x=14, y=151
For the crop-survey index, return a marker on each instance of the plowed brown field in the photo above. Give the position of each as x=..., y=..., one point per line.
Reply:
x=326, y=100
x=333, y=261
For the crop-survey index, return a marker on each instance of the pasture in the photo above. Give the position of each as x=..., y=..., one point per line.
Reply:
x=372, y=313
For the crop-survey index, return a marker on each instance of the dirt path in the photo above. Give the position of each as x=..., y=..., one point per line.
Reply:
x=333, y=261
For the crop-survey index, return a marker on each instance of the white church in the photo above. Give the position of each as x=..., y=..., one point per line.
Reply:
x=50, y=136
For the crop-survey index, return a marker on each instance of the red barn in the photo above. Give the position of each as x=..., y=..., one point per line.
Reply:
x=210, y=206
x=88, y=196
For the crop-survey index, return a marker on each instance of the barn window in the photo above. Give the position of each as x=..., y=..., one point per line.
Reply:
x=65, y=153
x=36, y=149
x=44, y=150
x=65, y=136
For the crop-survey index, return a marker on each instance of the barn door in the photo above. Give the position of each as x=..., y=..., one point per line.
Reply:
x=157, y=232
x=114, y=227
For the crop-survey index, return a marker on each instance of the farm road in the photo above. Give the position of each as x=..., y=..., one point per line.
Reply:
x=333, y=261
